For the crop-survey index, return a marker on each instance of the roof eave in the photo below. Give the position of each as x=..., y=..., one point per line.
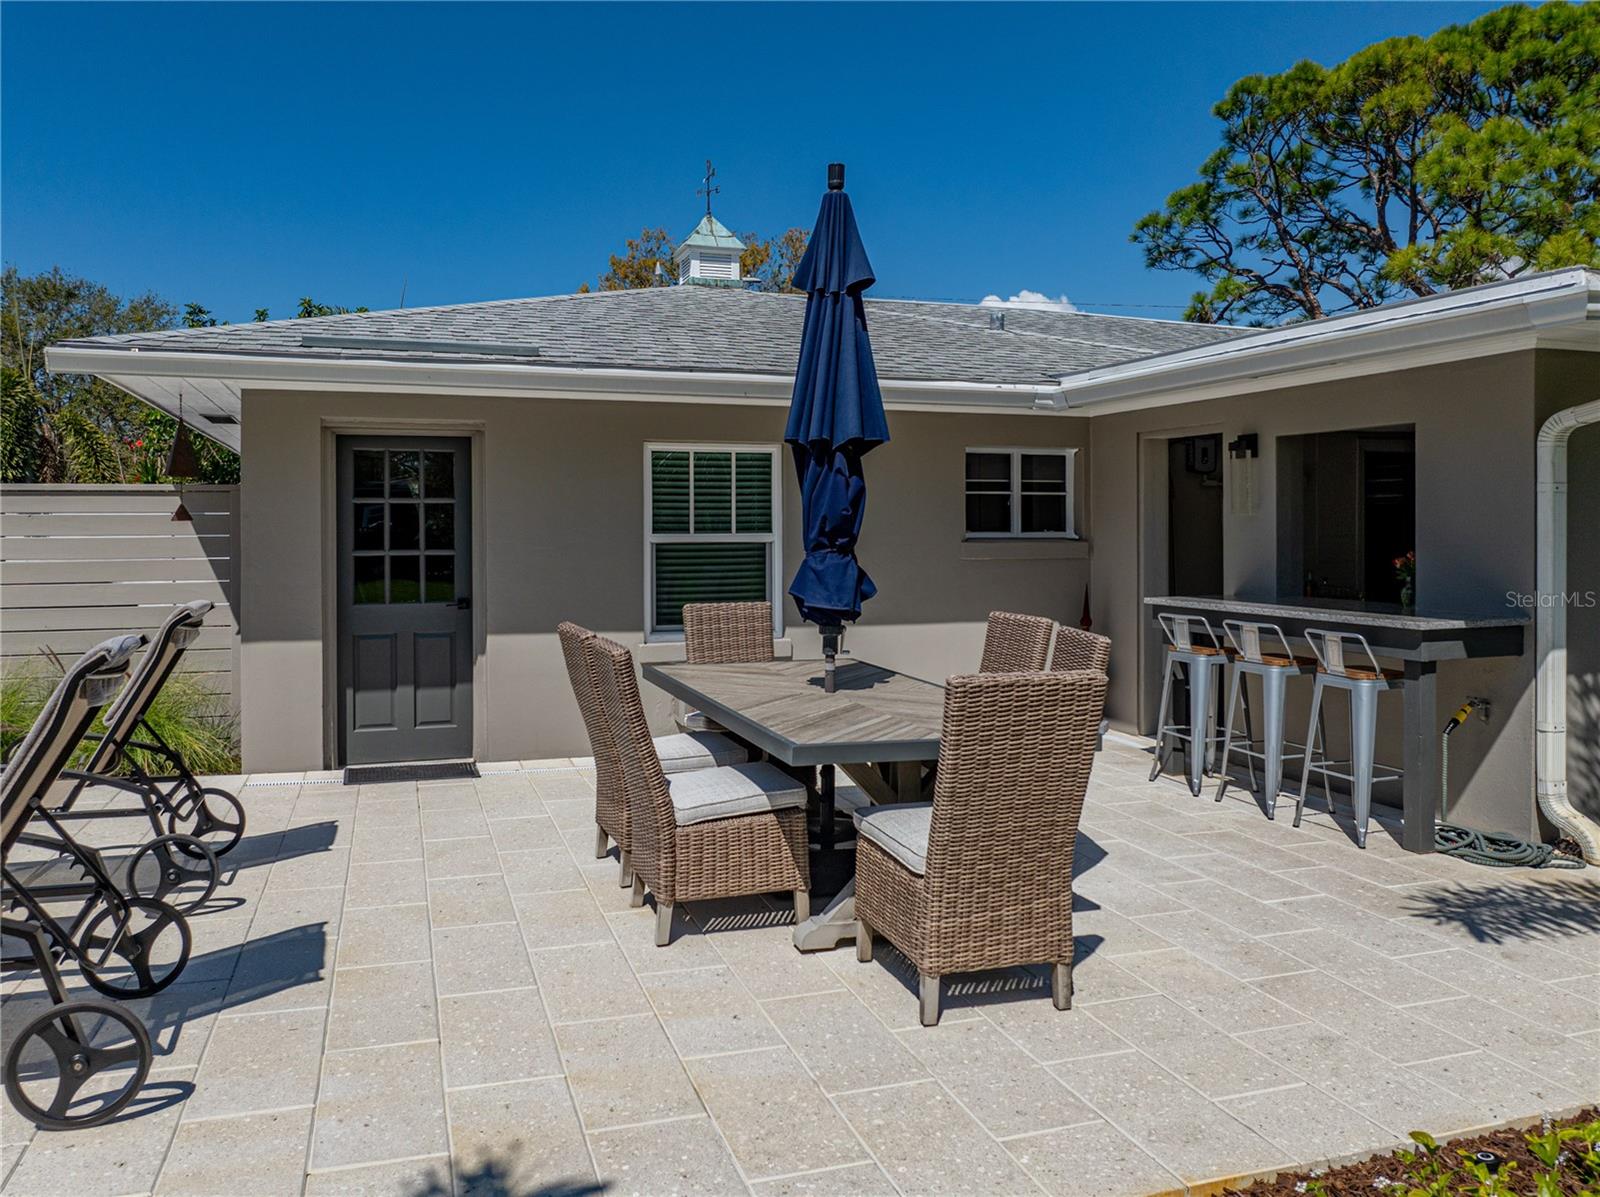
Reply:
x=1560, y=309
x=233, y=373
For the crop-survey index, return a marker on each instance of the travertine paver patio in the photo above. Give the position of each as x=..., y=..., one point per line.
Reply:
x=418, y=989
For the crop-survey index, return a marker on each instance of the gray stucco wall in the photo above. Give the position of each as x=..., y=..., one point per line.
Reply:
x=1474, y=424
x=561, y=533
x=561, y=528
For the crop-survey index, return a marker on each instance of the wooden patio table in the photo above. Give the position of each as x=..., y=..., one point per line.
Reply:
x=881, y=727
x=1420, y=640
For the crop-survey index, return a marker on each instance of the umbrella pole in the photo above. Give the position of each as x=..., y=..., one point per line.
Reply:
x=831, y=635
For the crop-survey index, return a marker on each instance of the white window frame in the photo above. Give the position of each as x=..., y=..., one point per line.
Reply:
x=773, y=539
x=1017, y=452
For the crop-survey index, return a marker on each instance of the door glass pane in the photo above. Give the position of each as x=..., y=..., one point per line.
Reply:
x=1044, y=513
x=368, y=574
x=439, y=470
x=439, y=581
x=713, y=492
x=369, y=527
x=368, y=470
x=405, y=475
x=669, y=491
x=706, y=573
x=405, y=578
x=441, y=525
x=403, y=527
x=753, y=484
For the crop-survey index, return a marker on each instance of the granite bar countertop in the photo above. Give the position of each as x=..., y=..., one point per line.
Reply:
x=1347, y=612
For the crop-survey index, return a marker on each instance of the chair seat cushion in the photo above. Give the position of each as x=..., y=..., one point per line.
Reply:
x=901, y=830
x=708, y=794
x=685, y=751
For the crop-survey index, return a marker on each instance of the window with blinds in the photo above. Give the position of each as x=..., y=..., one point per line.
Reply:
x=711, y=527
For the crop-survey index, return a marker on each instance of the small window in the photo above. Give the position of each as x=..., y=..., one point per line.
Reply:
x=1020, y=492
x=711, y=530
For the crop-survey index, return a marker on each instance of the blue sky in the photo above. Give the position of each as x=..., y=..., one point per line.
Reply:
x=244, y=155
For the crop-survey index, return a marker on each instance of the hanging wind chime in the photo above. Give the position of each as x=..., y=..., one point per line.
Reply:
x=182, y=464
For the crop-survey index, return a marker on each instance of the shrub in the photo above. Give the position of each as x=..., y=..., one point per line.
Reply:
x=1558, y=1159
x=23, y=690
x=188, y=715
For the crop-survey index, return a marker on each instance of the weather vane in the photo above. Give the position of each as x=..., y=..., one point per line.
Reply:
x=708, y=190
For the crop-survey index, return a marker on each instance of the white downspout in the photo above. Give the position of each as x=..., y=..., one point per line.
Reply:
x=1550, y=630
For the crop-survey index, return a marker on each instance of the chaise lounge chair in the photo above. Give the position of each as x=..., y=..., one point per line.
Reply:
x=124, y=947
x=175, y=804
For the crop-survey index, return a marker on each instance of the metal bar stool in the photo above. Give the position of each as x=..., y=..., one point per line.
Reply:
x=1199, y=662
x=1248, y=660
x=1363, y=685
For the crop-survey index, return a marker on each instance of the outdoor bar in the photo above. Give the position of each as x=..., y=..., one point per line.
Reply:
x=1418, y=640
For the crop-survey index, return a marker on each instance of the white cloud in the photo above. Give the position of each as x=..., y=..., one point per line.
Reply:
x=1036, y=300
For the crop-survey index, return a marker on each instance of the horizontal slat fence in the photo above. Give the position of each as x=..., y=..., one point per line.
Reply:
x=81, y=563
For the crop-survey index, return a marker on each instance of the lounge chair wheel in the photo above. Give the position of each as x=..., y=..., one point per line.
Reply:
x=177, y=869
x=126, y=952
x=52, y=1066
x=214, y=817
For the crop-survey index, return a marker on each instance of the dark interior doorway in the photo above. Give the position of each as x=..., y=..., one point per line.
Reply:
x=1194, y=515
x=1388, y=516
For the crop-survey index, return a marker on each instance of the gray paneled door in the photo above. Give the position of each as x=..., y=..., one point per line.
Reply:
x=405, y=618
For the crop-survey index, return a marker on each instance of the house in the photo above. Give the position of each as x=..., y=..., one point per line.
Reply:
x=427, y=493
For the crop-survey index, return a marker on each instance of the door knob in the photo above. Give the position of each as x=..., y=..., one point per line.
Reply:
x=463, y=604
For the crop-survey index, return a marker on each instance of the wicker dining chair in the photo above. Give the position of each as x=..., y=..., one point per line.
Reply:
x=981, y=877
x=722, y=634
x=1016, y=643
x=715, y=833
x=678, y=753
x=1077, y=649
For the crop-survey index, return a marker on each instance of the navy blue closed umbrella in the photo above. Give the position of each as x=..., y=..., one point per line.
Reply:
x=836, y=415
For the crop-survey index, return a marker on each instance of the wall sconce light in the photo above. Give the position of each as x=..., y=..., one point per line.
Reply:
x=1244, y=451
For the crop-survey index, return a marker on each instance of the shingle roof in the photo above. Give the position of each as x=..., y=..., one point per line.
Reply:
x=705, y=329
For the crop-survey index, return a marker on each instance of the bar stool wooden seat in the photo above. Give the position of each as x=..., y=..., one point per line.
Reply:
x=1334, y=672
x=1200, y=664
x=1245, y=660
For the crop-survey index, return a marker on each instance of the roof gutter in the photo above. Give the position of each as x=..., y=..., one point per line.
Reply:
x=519, y=379
x=1471, y=323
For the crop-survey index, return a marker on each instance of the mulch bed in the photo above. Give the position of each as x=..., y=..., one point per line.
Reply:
x=1362, y=1178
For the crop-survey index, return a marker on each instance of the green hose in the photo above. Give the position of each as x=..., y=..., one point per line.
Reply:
x=1499, y=851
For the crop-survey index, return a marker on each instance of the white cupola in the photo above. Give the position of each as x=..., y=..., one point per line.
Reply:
x=709, y=256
